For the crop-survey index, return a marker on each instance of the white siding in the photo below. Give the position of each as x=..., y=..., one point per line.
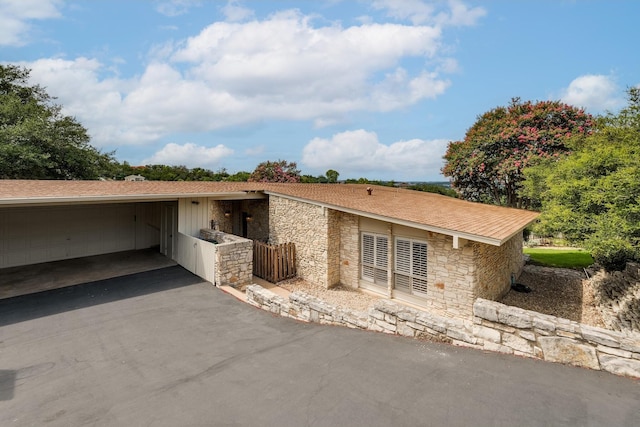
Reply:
x=193, y=214
x=51, y=233
x=198, y=256
x=41, y=234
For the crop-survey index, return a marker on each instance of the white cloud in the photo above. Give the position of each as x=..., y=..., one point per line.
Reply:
x=281, y=68
x=16, y=15
x=233, y=12
x=594, y=92
x=190, y=155
x=360, y=153
x=420, y=12
x=173, y=8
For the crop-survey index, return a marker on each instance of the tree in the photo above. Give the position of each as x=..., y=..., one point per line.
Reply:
x=37, y=141
x=332, y=176
x=241, y=176
x=280, y=171
x=592, y=196
x=487, y=165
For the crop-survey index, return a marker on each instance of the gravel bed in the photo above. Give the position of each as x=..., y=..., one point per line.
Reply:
x=340, y=296
x=559, y=292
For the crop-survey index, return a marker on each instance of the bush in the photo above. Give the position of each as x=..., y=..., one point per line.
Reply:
x=612, y=254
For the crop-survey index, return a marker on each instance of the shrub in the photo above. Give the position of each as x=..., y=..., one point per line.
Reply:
x=612, y=254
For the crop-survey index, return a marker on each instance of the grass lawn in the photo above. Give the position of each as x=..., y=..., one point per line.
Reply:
x=565, y=258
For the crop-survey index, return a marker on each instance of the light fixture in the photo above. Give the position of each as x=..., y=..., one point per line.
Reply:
x=227, y=214
x=249, y=218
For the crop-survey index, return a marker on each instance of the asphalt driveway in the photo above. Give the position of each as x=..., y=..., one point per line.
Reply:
x=162, y=348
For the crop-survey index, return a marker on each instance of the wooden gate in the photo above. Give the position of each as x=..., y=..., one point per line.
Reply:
x=274, y=263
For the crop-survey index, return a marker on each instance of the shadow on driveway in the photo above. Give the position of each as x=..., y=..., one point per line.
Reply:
x=47, y=303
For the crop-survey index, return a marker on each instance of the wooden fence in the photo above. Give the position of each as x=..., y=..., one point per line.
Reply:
x=274, y=263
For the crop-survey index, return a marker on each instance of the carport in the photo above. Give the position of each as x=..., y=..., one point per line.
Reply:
x=59, y=233
x=45, y=233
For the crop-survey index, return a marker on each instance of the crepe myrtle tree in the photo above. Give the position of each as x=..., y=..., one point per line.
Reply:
x=486, y=166
x=278, y=171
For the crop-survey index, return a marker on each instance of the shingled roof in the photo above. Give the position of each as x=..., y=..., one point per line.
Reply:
x=428, y=211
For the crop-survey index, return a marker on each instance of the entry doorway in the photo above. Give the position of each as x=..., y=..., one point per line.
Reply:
x=239, y=224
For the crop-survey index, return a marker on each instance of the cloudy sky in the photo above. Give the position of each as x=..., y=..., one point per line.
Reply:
x=370, y=88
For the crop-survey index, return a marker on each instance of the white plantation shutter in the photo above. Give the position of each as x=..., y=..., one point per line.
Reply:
x=368, y=256
x=403, y=256
x=382, y=251
x=375, y=251
x=419, y=267
x=410, y=266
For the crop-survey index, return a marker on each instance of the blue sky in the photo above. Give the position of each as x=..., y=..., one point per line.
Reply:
x=371, y=89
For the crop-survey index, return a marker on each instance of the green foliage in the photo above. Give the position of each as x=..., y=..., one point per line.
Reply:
x=563, y=258
x=241, y=176
x=332, y=176
x=612, y=254
x=434, y=188
x=37, y=141
x=310, y=179
x=279, y=171
x=171, y=173
x=592, y=196
x=487, y=165
x=368, y=181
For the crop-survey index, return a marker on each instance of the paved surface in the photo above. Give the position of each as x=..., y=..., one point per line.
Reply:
x=163, y=349
x=27, y=279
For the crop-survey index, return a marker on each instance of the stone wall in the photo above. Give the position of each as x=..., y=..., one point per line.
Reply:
x=233, y=259
x=218, y=209
x=307, y=226
x=495, y=266
x=349, y=237
x=494, y=327
x=528, y=333
x=258, y=227
x=451, y=275
x=333, y=247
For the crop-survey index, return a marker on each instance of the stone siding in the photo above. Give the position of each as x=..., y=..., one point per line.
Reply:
x=333, y=248
x=258, y=228
x=349, y=237
x=496, y=265
x=494, y=327
x=233, y=259
x=307, y=226
x=221, y=222
x=451, y=275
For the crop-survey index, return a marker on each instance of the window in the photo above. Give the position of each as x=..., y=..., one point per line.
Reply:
x=411, y=266
x=375, y=250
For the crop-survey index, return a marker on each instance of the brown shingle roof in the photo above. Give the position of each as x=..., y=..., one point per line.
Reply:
x=473, y=221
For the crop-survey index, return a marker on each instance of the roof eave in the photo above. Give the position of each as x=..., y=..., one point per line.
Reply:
x=67, y=200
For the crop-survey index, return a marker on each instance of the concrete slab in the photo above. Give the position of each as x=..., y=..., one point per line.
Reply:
x=15, y=281
x=163, y=348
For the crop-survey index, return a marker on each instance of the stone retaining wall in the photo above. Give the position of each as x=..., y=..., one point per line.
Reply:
x=495, y=327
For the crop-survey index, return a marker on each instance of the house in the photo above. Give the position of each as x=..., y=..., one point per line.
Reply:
x=434, y=251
